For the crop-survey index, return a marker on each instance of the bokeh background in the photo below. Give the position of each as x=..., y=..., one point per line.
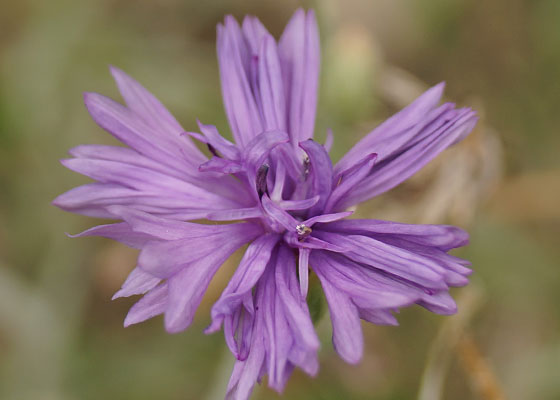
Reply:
x=62, y=338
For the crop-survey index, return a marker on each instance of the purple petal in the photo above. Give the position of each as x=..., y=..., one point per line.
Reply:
x=241, y=109
x=382, y=140
x=245, y=373
x=259, y=147
x=347, y=332
x=213, y=137
x=320, y=173
x=236, y=214
x=130, y=129
x=153, y=303
x=188, y=285
x=150, y=109
x=141, y=179
x=93, y=200
x=254, y=32
x=279, y=181
x=391, y=259
x=293, y=205
x=299, y=55
x=349, y=179
x=439, y=303
x=295, y=307
x=120, y=232
x=221, y=165
x=271, y=86
x=279, y=215
x=366, y=287
x=378, y=317
x=456, y=271
x=445, y=237
x=138, y=282
x=161, y=228
x=244, y=279
x=218, y=185
x=303, y=270
x=390, y=172
x=207, y=244
x=329, y=141
x=127, y=156
x=324, y=218
x=311, y=243
x=238, y=331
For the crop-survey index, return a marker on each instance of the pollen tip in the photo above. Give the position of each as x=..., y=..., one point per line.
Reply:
x=303, y=231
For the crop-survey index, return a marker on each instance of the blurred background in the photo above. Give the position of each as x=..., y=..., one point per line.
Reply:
x=62, y=338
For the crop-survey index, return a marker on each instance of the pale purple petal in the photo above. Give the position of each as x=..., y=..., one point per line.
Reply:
x=279, y=215
x=456, y=271
x=349, y=179
x=146, y=181
x=439, y=303
x=254, y=32
x=210, y=243
x=127, y=156
x=292, y=205
x=121, y=232
x=378, y=317
x=245, y=373
x=138, y=282
x=391, y=259
x=445, y=237
x=153, y=303
x=329, y=140
x=295, y=307
x=235, y=214
x=303, y=270
x=162, y=228
x=213, y=137
x=347, y=332
x=244, y=279
x=382, y=140
x=131, y=130
x=271, y=86
x=221, y=165
x=279, y=181
x=241, y=109
x=320, y=173
x=299, y=55
x=367, y=287
x=260, y=146
x=152, y=112
x=188, y=285
x=324, y=218
x=314, y=243
x=388, y=173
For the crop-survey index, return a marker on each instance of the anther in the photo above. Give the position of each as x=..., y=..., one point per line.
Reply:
x=303, y=231
x=213, y=150
x=262, y=186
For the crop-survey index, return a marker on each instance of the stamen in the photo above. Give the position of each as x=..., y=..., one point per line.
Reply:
x=262, y=185
x=303, y=231
x=212, y=150
x=306, y=165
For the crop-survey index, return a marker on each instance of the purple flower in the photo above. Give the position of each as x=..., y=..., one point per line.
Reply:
x=282, y=196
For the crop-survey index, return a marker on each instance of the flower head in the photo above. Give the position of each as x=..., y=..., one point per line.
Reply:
x=280, y=194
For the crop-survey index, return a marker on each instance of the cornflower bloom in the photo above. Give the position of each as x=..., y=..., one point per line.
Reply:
x=280, y=194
